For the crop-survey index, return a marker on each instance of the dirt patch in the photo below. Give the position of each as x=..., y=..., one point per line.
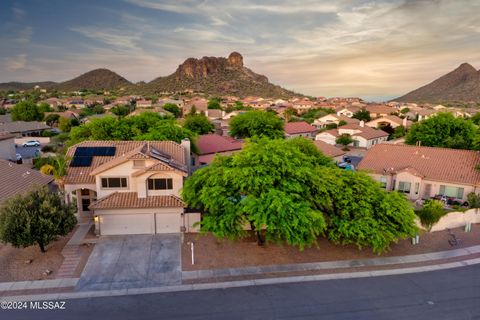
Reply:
x=211, y=253
x=14, y=268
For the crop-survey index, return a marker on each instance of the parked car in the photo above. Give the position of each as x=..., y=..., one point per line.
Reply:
x=452, y=201
x=31, y=143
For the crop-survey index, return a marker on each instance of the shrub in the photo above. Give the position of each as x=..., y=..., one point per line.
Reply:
x=431, y=213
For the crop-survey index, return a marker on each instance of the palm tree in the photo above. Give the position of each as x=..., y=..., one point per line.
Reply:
x=58, y=168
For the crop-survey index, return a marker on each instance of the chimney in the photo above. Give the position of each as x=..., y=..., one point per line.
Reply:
x=188, y=156
x=362, y=123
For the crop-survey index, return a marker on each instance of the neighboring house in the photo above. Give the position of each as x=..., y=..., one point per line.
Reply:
x=303, y=105
x=222, y=127
x=214, y=114
x=199, y=103
x=17, y=179
x=393, y=121
x=24, y=128
x=129, y=187
x=363, y=136
x=330, y=150
x=347, y=111
x=424, y=172
x=143, y=103
x=65, y=114
x=380, y=110
x=300, y=129
x=332, y=118
x=210, y=145
x=7, y=146
x=424, y=114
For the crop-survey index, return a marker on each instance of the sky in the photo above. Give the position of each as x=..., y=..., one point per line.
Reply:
x=376, y=50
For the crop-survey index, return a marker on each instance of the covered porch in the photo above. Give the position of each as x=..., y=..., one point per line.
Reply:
x=82, y=195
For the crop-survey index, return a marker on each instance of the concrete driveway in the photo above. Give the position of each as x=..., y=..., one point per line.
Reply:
x=133, y=261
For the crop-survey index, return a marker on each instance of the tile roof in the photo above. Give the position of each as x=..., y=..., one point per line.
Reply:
x=438, y=164
x=130, y=200
x=328, y=149
x=299, y=127
x=16, y=179
x=214, y=143
x=21, y=126
x=81, y=175
x=5, y=136
x=365, y=131
x=380, y=109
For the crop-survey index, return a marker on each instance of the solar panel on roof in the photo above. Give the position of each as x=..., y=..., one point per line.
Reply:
x=95, y=151
x=81, y=161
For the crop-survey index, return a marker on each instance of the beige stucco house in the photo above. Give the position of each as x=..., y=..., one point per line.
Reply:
x=391, y=120
x=333, y=118
x=363, y=136
x=424, y=172
x=130, y=187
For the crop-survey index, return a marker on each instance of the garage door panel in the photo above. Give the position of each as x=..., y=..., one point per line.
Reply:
x=168, y=222
x=118, y=224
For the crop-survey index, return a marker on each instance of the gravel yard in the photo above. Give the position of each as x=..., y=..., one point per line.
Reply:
x=217, y=254
x=13, y=264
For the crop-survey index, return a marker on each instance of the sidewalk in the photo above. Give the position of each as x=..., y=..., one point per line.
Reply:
x=72, y=252
x=243, y=283
x=267, y=274
x=214, y=274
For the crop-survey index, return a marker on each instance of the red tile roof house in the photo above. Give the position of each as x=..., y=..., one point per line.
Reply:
x=129, y=187
x=300, y=129
x=424, y=172
x=363, y=136
x=330, y=151
x=210, y=145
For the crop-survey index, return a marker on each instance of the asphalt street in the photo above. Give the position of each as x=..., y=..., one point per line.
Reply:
x=447, y=294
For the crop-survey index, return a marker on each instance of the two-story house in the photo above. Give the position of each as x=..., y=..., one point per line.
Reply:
x=424, y=172
x=129, y=187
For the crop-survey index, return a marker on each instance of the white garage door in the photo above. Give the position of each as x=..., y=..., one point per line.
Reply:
x=118, y=224
x=168, y=222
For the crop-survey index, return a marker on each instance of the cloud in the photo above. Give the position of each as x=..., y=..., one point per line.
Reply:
x=111, y=37
x=16, y=63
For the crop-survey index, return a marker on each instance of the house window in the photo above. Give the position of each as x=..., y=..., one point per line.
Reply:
x=383, y=182
x=417, y=187
x=138, y=163
x=450, y=191
x=85, y=192
x=404, y=186
x=114, y=183
x=160, y=184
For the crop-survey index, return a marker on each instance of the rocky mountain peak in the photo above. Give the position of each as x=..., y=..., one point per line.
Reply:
x=235, y=59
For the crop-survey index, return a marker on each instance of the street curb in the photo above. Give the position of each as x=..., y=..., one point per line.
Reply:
x=241, y=283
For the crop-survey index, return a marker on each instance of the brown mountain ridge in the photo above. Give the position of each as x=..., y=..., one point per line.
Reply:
x=210, y=75
x=461, y=84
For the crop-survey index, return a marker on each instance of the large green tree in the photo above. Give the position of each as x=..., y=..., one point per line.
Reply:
x=26, y=111
x=198, y=123
x=362, y=114
x=361, y=213
x=287, y=191
x=443, y=130
x=146, y=126
x=38, y=217
x=174, y=109
x=256, y=124
x=267, y=186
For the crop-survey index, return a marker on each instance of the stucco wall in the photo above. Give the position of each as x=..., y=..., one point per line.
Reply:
x=7, y=149
x=457, y=219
